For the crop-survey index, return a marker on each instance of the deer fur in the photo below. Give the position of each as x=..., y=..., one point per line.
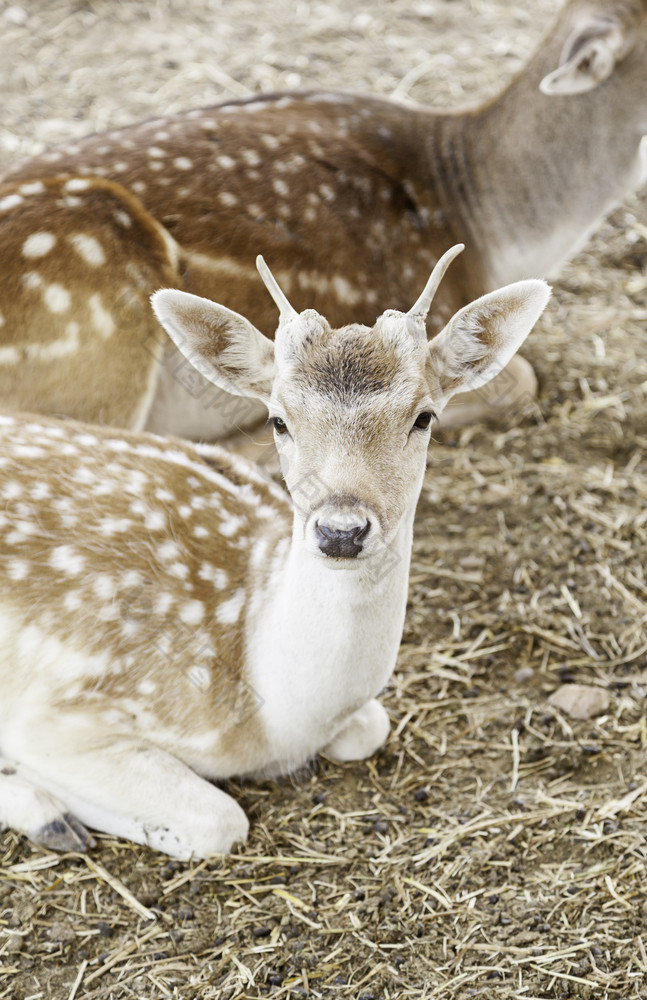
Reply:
x=171, y=617
x=352, y=197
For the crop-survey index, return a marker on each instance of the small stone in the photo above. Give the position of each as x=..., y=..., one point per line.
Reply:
x=61, y=932
x=523, y=675
x=580, y=701
x=15, y=15
x=15, y=943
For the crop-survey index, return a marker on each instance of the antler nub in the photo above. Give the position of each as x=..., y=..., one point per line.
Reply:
x=285, y=309
x=422, y=306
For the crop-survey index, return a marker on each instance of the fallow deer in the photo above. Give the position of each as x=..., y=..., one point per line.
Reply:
x=169, y=616
x=353, y=198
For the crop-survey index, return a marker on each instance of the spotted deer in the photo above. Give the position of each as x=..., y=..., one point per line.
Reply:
x=168, y=615
x=352, y=197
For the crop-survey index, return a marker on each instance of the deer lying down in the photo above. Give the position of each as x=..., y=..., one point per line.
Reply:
x=353, y=197
x=169, y=616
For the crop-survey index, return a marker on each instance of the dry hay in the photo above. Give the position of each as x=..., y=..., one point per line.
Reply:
x=495, y=847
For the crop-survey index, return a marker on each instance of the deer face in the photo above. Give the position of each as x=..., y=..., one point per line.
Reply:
x=351, y=413
x=352, y=408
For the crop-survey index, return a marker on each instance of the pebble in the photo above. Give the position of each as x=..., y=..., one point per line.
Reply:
x=580, y=701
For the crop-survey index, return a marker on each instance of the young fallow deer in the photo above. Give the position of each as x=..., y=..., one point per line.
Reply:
x=167, y=615
x=352, y=197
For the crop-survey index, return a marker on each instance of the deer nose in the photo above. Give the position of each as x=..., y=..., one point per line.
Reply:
x=346, y=544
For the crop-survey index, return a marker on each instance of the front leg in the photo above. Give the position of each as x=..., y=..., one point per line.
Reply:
x=362, y=733
x=132, y=789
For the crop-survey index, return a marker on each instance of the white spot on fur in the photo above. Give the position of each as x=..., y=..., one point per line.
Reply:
x=12, y=490
x=73, y=600
x=192, y=612
x=32, y=280
x=229, y=611
x=227, y=199
x=101, y=318
x=122, y=217
x=251, y=158
x=38, y=244
x=34, y=187
x=163, y=602
x=155, y=520
x=156, y=152
x=281, y=187
x=77, y=184
x=18, y=569
x=168, y=550
x=9, y=356
x=10, y=201
x=28, y=451
x=179, y=570
x=226, y=162
x=200, y=676
x=183, y=163
x=89, y=248
x=65, y=559
x=57, y=298
x=231, y=525
x=104, y=587
x=109, y=526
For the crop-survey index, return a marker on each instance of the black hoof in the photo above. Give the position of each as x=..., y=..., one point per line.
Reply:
x=64, y=834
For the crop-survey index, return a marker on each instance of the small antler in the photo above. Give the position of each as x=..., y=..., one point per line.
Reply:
x=285, y=309
x=422, y=306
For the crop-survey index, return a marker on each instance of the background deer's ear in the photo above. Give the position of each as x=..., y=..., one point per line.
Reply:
x=589, y=57
x=221, y=345
x=480, y=339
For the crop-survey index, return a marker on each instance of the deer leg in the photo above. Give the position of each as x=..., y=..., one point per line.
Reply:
x=130, y=788
x=29, y=809
x=362, y=734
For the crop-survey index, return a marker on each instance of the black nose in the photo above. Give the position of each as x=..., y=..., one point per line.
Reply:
x=342, y=544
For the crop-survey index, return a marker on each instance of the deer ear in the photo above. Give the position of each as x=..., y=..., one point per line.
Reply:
x=221, y=345
x=589, y=57
x=480, y=339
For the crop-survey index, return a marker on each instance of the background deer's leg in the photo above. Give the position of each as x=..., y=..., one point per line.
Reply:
x=507, y=396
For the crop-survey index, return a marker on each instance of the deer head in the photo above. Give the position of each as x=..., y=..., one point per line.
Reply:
x=352, y=408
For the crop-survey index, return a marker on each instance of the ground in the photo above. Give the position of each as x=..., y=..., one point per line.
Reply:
x=495, y=846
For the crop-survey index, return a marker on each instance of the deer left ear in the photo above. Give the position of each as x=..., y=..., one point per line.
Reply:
x=221, y=345
x=589, y=57
x=480, y=339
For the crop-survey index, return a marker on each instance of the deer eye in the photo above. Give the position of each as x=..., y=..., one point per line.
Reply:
x=423, y=420
x=279, y=425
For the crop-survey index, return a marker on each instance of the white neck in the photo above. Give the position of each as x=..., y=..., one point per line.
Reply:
x=325, y=642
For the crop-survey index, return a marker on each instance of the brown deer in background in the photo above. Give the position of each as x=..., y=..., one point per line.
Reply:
x=351, y=197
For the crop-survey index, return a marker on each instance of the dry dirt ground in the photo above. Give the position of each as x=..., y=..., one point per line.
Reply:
x=495, y=847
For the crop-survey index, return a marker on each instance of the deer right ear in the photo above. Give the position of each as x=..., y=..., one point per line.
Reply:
x=480, y=339
x=589, y=57
x=221, y=345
